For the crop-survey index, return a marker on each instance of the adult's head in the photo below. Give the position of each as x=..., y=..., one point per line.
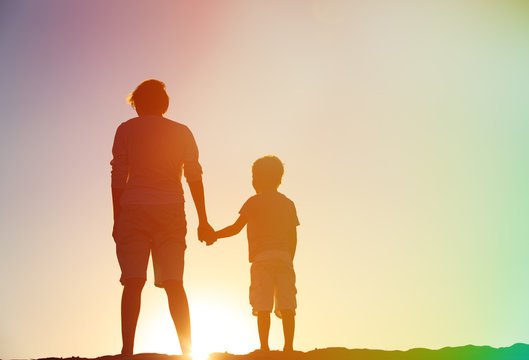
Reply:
x=267, y=173
x=149, y=98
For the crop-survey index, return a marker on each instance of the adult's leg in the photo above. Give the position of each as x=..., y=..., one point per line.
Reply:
x=132, y=250
x=130, y=311
x=179, y=308
x=288, y=318
x=263, y=326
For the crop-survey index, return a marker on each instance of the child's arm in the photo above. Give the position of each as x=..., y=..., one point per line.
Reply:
x=233, y=229
x=293, y=241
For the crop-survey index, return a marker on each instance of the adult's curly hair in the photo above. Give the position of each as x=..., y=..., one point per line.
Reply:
x=149, y=98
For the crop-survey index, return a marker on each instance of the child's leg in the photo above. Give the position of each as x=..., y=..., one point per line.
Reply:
x=286, y=303
x=263, y=325
x=262, y=300
x=289, y=324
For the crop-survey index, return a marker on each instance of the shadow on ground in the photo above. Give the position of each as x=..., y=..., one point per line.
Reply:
x=470, y=352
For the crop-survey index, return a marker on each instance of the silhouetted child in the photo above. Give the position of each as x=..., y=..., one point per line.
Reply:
x=272, y=239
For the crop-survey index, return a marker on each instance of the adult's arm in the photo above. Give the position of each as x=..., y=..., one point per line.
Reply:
x=193, y=175
x=120, y=169
x=116, y=202
x=205, y=231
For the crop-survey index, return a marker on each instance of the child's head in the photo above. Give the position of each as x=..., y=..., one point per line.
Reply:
x=267, y=173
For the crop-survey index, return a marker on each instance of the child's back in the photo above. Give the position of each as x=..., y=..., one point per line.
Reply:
x=272, y=220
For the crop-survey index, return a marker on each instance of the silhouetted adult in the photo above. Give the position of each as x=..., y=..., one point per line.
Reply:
x=150, y=153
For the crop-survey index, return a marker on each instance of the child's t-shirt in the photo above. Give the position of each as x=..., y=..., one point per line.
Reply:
x=271, y=217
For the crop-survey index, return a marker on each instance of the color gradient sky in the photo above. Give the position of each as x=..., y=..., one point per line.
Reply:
x=403, y=127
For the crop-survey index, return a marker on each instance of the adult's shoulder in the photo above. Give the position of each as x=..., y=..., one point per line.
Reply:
x=122, y=128
x=128, y=122
x=178, y=125
x=181, y=130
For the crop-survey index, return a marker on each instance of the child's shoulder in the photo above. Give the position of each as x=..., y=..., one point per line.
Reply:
x=253, y=198
x=284, y=198
x=273, y=197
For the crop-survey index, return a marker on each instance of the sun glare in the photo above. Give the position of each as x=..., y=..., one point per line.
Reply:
x=215, y=327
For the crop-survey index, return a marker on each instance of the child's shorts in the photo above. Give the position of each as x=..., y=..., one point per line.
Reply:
x=159, y=229
x=272, y=282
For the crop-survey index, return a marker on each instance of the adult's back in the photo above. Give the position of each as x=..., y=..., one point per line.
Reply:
x=154, y=152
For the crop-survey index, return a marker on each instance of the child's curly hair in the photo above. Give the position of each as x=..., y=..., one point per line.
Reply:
x=268, y=170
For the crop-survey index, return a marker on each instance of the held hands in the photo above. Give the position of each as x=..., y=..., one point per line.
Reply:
x=206, y=234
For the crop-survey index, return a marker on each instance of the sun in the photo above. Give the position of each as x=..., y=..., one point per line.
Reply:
x=216, y=326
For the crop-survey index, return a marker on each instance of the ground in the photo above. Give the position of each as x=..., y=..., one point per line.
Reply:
x=470, y=352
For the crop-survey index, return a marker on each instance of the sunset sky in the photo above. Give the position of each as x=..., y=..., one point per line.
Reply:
x=403, y=127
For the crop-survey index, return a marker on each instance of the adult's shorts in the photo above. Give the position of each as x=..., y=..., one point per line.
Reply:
x=159, y=229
